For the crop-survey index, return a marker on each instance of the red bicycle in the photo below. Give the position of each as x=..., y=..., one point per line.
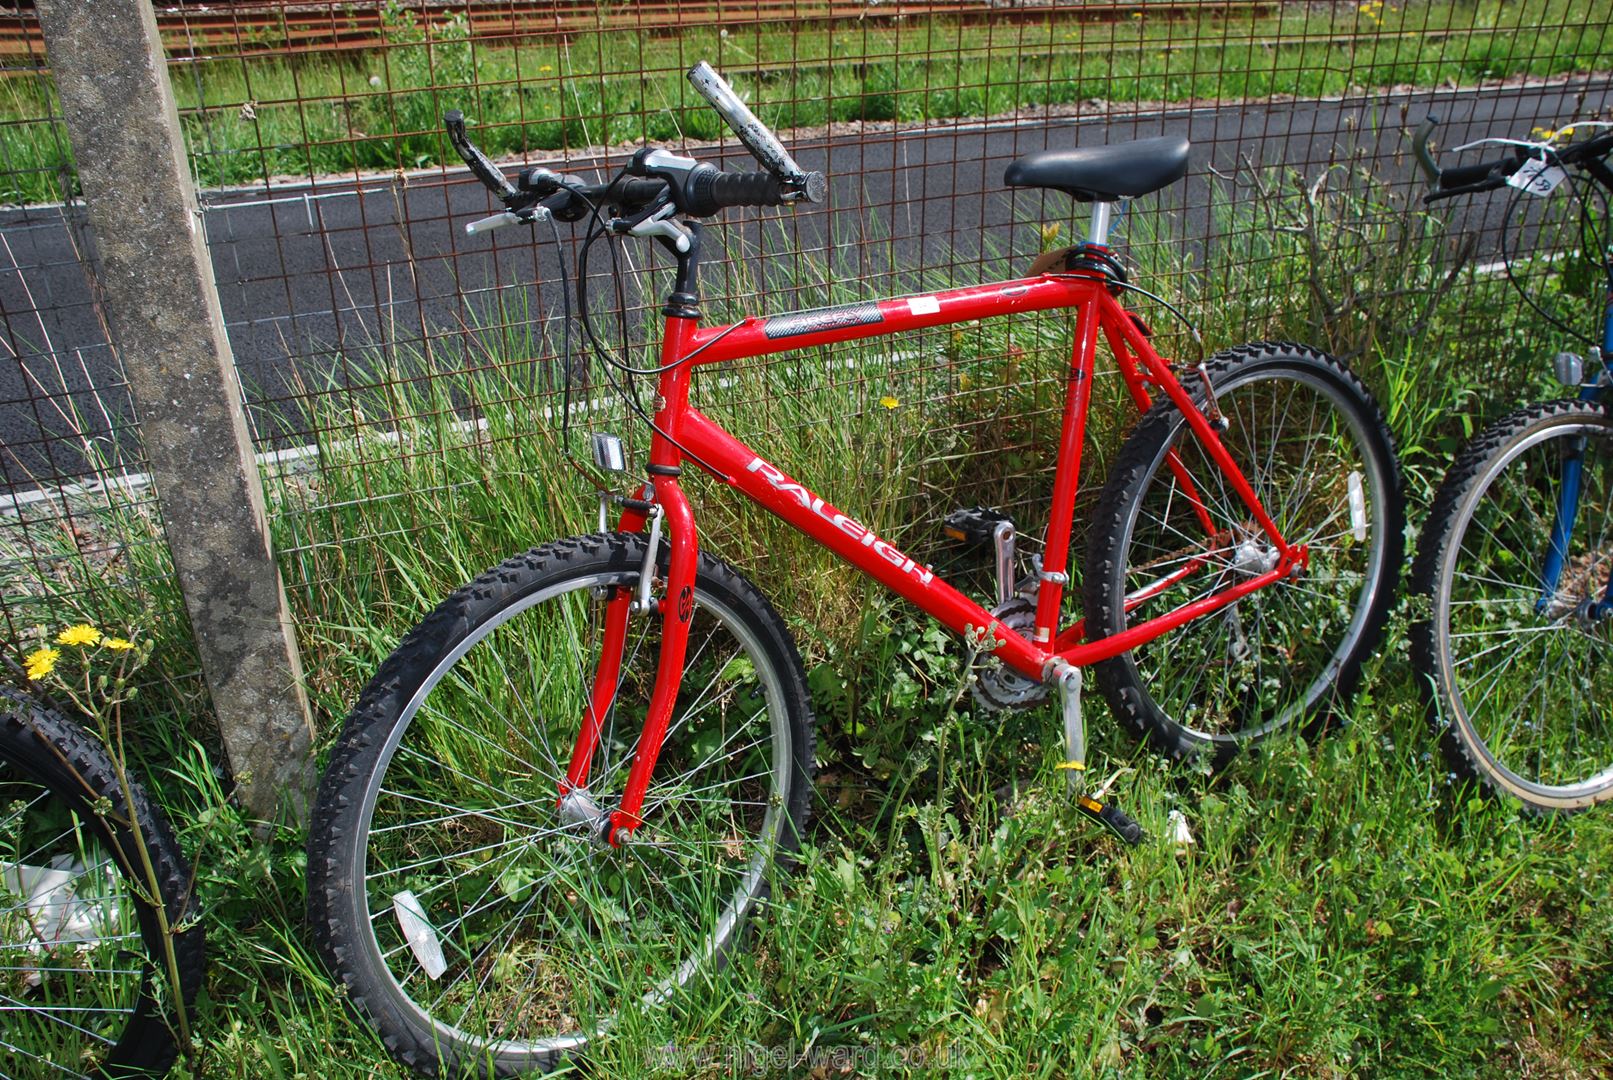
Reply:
x=562, y=794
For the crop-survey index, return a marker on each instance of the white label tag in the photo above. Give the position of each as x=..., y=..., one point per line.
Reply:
x=420, y=934
x=1358, y=506
x=1536, y=177
x=923, y=305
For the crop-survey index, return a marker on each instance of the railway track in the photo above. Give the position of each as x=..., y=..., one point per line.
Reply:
x=287, y=28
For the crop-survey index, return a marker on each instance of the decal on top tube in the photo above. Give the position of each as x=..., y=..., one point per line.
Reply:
x=817, y=320
x=850, y=526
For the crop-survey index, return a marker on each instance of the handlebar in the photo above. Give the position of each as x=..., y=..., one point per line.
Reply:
x=1463, y=179
x=705, y=192
x=1587, y=155
x=658, y=176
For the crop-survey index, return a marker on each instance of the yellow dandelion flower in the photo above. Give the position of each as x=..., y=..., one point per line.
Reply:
x=888, y=402
x=118, y=644
x=545, y=69
x=42, y=662
x=82, y=634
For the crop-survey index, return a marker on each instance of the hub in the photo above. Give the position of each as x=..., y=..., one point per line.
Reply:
x=1253, y=558
x=1581, y=589
x=577, y=807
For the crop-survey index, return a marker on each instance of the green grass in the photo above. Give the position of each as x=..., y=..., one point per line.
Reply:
x=1344, y=909
x=263, y=116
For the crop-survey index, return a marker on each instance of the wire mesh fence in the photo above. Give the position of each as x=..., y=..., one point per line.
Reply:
x=404, y=382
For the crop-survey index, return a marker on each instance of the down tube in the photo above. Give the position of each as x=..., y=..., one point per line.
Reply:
x=792, y=501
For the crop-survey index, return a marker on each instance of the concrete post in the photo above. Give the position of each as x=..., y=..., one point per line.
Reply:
x=157, y=288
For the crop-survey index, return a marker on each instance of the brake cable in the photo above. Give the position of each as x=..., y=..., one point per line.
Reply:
x=599, y=228
x=1587, y=221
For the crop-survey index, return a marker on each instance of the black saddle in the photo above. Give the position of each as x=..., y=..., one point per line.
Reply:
x=1105, y=173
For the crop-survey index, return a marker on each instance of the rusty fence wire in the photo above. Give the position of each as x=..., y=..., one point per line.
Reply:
x=403, y=380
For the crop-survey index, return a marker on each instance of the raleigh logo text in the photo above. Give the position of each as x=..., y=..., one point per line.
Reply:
x=850, y=527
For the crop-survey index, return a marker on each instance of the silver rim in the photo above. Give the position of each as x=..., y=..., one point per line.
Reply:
x=1522, y=684
x=1265, y=655
x=72, y=958
x=528, y=899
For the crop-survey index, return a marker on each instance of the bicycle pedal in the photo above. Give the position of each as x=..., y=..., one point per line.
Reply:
x=975, y=524
x=1111, y=817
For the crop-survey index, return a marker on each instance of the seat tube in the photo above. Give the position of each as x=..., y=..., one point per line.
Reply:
x=1066, y=480
x=677, y=602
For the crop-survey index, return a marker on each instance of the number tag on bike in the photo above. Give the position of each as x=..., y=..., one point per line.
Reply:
x=1537, y=177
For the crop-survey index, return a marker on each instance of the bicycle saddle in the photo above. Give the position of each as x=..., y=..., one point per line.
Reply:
x=1105, y=173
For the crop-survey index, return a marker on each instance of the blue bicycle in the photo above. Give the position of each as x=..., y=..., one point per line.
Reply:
x=1515, y=645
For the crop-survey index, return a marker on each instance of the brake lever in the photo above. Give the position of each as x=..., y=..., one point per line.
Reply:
x=658, y=220
x=529, y=216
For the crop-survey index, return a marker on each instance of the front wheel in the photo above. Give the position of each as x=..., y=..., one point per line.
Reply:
x=1515, y=651
x=482, y=924
x=1170, y=530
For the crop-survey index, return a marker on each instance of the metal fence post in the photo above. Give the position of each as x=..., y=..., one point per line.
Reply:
x=166, y=323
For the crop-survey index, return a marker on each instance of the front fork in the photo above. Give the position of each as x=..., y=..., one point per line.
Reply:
x=675, y=609
x=1562, y=526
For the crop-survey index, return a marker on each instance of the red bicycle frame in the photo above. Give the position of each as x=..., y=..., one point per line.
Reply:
x=683, y=431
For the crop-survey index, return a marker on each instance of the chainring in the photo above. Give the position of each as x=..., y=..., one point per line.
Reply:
x=996, y=686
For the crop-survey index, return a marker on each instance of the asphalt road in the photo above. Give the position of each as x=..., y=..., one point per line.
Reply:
x=319, y=281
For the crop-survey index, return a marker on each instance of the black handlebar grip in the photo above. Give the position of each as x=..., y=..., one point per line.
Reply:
x=1467, y=175
x=488, y=173
x=714, y=191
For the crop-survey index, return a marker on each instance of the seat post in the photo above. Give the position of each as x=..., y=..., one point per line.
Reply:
x=1102, y=211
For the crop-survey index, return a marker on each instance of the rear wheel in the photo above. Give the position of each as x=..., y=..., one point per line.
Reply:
x=1169, y=530
x=481, y=924
x=1517, y=670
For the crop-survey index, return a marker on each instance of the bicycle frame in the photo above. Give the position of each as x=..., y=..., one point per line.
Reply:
x=683, y=432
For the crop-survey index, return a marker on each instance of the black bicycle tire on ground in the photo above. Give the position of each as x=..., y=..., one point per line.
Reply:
x=42, y=743
x=1460, y=744
x=1125, y=691
x=336, y=902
